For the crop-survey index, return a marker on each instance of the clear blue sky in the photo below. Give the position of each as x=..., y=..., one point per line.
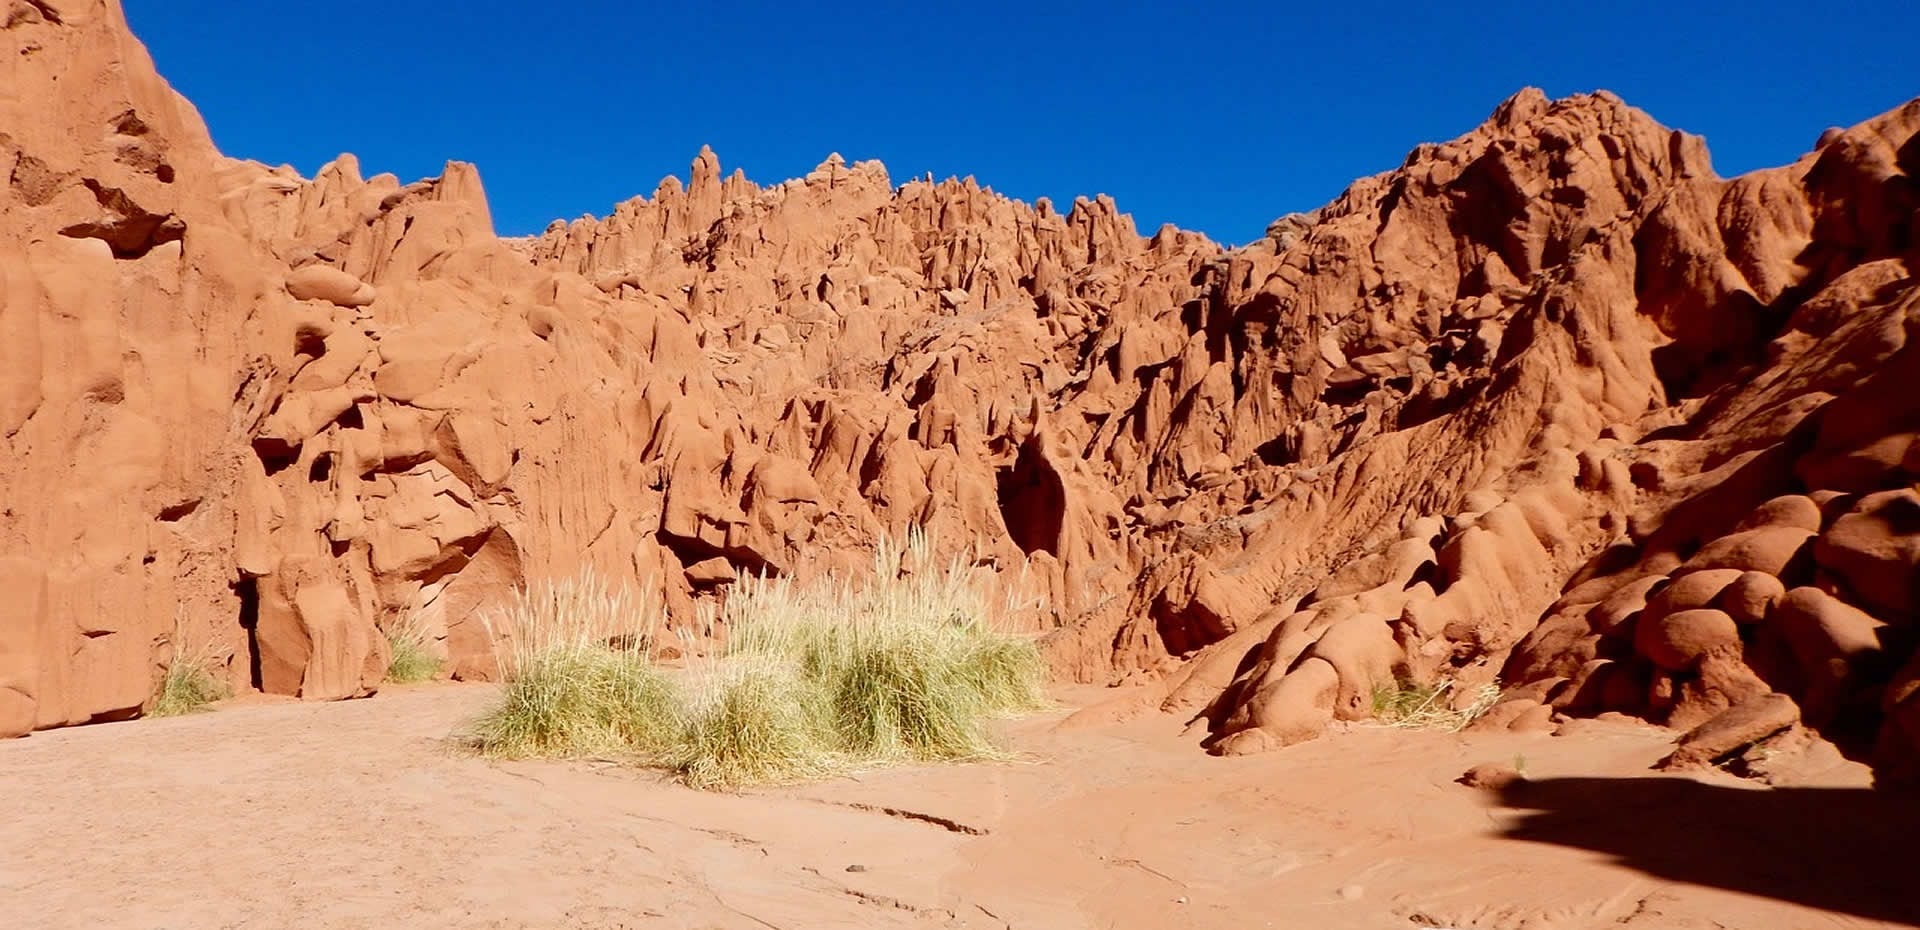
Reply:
x=1216, y=116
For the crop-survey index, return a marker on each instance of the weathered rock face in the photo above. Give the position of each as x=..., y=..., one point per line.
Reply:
x=1686, y=452
x=118, y=358
x=266, y=416
x=1551, y=404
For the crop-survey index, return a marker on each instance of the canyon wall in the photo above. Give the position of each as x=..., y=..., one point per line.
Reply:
x=1551, y=405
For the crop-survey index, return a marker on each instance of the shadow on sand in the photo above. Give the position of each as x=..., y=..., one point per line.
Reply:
x=1845, y=850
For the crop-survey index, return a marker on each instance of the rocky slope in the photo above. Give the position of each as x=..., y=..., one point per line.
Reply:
x=1551, y=404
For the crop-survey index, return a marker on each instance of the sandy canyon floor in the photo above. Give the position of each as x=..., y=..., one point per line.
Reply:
x=363, y=814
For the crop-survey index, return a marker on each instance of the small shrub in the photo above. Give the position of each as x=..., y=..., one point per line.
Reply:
x=1410, y=705
x=906, y=665
x=188, y=685
x=1007, y=672
x=899, y=693
x=413, y=657
x=754, y=721
x=816, y=679
x=579, y=676
x=582, y=701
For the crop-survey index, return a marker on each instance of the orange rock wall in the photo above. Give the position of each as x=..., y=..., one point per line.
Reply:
x=1551, y=404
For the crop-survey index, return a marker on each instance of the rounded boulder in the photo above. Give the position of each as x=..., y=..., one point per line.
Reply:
x=1680, y=640
x=1689, y=592
x=1775, y=550
x=320, y=282
x=1875, y=551
x=1751, y=596
x=1791, y=510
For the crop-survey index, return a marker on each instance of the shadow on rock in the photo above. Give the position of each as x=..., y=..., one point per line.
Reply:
x=1846, y=850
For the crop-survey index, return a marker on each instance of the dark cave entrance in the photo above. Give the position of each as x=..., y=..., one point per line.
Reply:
x=247, y=589
x=1033, y=501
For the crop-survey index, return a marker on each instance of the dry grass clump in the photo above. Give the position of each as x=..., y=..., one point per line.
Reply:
x=187, y=687
x=579, y=676
x=413, y=656
x=189, y=683
x=903, y=665
x=1413, y=706
x=753, y=722
x=906, y=664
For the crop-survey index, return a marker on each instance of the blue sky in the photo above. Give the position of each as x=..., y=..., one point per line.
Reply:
x=1217, y=116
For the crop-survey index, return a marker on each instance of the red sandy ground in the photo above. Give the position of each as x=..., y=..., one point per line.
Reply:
x=363, y=814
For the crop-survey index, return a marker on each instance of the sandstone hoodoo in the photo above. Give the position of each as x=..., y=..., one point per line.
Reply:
x=1551, y=407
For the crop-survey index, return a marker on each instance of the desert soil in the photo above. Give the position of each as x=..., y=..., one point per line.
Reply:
x=364, y=814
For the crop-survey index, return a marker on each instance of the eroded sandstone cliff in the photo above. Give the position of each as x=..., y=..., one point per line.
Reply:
x=1551, y=404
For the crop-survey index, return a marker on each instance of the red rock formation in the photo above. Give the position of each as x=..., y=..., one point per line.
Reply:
x=1551, y=404
x=1684, y=351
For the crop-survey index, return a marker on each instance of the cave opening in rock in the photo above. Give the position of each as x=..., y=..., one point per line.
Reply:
x=309, y=342
x=1277, y=452
x=1033, y=501
x=247, y=589
x=275, y=454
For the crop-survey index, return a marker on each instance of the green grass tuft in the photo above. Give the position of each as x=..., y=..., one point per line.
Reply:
x=754, y=722
x=906, y=664
x=579, y=677
x=413, y=657
x=1007, y=672
x=586, y=701
x=816, y=679
x=899, y=693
